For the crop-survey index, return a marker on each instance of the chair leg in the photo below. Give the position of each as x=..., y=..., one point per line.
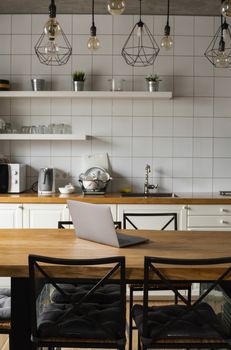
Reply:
x=130, y=317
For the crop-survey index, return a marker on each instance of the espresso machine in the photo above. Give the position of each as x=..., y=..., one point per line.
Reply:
x=46, y=181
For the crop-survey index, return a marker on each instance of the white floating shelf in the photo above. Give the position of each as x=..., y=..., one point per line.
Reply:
x=41, y=137
x=88, y=94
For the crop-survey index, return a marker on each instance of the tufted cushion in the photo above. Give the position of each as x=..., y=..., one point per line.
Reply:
x=5, y=303
x=92, y=321
x=191, y=325
x=105, y=294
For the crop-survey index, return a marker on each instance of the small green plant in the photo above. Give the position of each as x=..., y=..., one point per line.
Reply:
x=78, y=76
x=153, y=78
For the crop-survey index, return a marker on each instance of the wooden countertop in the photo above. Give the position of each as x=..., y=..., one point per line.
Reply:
x=183, y=198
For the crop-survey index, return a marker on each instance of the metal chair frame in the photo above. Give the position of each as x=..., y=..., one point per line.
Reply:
x=114, y=265
x=152, y=266
x=139, y=287
x=62, y=223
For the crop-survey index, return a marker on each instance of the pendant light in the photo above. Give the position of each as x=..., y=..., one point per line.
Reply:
x=226, y=8
x=93, y=42
x=53, y=47
x=140, y=48
x=116, y=7
x=166, y=41
x=219, y=50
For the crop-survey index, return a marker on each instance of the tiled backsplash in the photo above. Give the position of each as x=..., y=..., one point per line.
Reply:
x=186, y=140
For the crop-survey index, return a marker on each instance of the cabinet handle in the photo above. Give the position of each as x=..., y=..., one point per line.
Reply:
x=223, y=222
x=20, y=206
x=222, y=210
x=186, y=207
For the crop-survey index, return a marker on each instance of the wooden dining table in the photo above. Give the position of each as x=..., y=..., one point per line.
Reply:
x=17, y=244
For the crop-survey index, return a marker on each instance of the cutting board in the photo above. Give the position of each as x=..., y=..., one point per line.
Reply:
x=95, y=160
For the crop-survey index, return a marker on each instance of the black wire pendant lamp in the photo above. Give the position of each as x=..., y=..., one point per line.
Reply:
x=219, y=50
x=53, y=47
x=140, y=48
x=166, y=41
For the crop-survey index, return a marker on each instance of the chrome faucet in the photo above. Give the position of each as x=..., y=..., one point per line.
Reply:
x=147, y=186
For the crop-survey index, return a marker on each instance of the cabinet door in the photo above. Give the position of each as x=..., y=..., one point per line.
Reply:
x=44, y=215
x=11, y=215
x=153, y=217
x=209, y=217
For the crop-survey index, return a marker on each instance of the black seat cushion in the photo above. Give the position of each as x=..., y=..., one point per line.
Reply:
x=5, y=304
x=105, y=294
x=91, y=321
x=192, y=324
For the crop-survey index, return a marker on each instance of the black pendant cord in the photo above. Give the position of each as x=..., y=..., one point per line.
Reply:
x=168, y=14
x=52, y=9
x=93, y=13
x=140, y=23
x=93, y=27
x=167, y=27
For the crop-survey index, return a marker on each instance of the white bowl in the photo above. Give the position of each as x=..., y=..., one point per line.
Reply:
x=65, y=190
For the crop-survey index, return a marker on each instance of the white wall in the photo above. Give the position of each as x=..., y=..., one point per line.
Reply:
x=187, y=140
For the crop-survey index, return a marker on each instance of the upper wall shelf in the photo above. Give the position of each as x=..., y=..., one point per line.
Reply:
x=88, y=94
x=43, y=137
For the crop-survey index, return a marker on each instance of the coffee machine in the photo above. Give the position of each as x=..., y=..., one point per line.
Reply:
x=46, y=181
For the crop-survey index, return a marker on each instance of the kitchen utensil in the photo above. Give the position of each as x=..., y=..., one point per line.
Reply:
x=46, y=181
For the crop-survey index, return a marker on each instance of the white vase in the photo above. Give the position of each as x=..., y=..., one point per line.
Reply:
x=78, y=85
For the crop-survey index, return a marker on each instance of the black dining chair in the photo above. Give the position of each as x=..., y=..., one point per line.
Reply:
x=5, y=312
x=85, y=319
x=168, y=221
x=68, y=224
x=193, y=324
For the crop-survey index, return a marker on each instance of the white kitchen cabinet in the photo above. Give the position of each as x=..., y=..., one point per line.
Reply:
x=209, y=217
x=11, y=215
x=44, y=215
x=142, y=218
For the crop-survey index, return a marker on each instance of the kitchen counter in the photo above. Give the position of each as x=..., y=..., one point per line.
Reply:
x=115, y=198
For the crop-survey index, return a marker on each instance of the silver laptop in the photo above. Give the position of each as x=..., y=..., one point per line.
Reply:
x=94, y=222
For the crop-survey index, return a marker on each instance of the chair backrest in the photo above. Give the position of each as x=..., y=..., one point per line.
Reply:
x=169, y=271
x=62, y=224
x=48, y=275
x=159, y=221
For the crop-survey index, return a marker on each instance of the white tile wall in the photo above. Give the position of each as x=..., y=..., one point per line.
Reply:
x=187, y=140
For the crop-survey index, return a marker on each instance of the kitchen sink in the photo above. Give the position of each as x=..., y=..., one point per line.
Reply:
x=150, y=195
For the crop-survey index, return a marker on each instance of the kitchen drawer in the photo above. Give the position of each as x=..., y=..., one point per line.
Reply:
x=209, y=210
x=209, y=221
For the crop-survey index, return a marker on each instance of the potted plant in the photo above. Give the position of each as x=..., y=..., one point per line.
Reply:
x=152, y=82
x=78, y=80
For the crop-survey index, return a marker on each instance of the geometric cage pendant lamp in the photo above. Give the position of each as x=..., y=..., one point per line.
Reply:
x=53, y=47
x=140, y=48
x=219, y=50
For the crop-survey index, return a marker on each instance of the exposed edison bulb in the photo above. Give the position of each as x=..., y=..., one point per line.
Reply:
x=52, y=28
x=166, y=42
x=51, y=49
x=226, y=8
x=222, y=60
x=139, y=31
x=116, y=7
x=93, y=43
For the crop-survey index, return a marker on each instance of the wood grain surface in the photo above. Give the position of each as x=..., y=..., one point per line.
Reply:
x=17, y=244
